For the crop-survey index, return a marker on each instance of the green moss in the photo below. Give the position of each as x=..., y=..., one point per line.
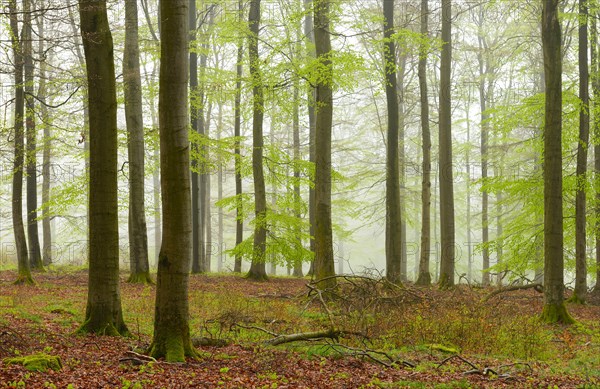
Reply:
x=174, y=348
x=444, y=349
x=24, y=279
x=140, y=278
x=556, y=313
x=575, y=299
x=90, y=327
x=36, y=362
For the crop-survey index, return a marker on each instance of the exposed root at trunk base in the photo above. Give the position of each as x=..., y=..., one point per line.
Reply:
x=556, y=313
x=141, y=278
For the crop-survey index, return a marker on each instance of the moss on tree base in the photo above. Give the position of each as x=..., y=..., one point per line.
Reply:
x=174, y=348
x=108, y=329
x=575, y=299
x=424, y=279
x=445, y=282
x=556, y=313
x=140, y=278
x=256, y=276
x=24, y=279
x=36, y=362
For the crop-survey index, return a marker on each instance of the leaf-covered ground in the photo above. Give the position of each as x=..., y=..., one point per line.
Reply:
x=452, y=339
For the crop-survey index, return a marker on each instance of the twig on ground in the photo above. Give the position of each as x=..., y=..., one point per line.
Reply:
x=537, y=287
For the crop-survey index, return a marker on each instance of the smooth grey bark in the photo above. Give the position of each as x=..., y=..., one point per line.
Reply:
x=424, y=277
x=103, y=313
x=580, y=291
x=595, y=78
x=195, y=102
x=257, y=267
x=47, y=147
x=138, y=238
x=33, y=237
x=324, y=259
x=484, y=122
x=171, y=318
x=445, y=156
x=24, y=269
x=554, y=308
x=220, y=228
x=309, y=33
x=239, y=222
x=297, y=264
x=393, y=225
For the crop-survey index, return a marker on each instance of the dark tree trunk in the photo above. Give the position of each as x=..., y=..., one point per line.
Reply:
x=312, y=157
x=195, y=101
x=103, y=313
x=393, y=226
x=47, y=147
x=138, y=239
x=171, y=319
x=257, y=267
x=324, y=259
x=445, y=158
x=424, y=273
x=24, y=269
x=596, y=132
x=554, y=307
x=35, y=255
x=239, y=222
x=580, y=292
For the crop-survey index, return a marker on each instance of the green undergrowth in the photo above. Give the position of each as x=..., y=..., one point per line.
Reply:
x=36, y=362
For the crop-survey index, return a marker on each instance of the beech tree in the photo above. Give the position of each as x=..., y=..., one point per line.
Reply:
x=424, y=277
x=103, y=313
x=257, y=267
x=24, y=276
x=324, y=260
x=171, y=315
x=138, y=238
x=393, y=227
x=239, y=221
x=554, y=307
x=445, y=157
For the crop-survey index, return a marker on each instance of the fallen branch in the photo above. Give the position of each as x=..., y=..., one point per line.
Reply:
x=280, y=339
x=537, y=287
x=458, y=357
x=368, y=353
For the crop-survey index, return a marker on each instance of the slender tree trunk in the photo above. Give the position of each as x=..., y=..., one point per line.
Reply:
x=424, y=273
x=596, y=131
x=324, y=259
x=499, y=232
x=468, y=163
x=171, y=319
x=138, y=239
x=393, y=227
x=195, y=102
x=24, y=268
x=554, y=307
x=485, y=229
x=103, y=313
x=35, y=255
x=580, y=292
x=47, y=147
x=257, y=267
x=239, y=221
x=220, y=193
x=297, y=263
x=312, y=156
x=206, y=194
x=445, y=158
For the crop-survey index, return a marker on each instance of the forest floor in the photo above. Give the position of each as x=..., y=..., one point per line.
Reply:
x=387, y=337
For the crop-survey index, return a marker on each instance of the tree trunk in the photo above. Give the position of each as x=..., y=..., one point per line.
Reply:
x=47, y=146
x=138, y=239
x=424, y=273
x=312, y=157
x=35, y=255
x=220, y=256
x=445, y=158
x=24, y=276
x=554, y=307
x=257, y=267
x=195, y=102
x=485, y=229
x=103, y=312
x=297, y=263
x=393, y=226
x=324, y=259
x=596, y=132
x=239, y=221
x=171, y=319
x=580, y=292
